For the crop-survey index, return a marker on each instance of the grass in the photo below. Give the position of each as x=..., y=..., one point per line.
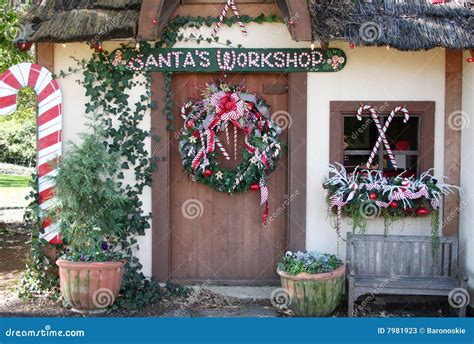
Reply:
x=8, y=180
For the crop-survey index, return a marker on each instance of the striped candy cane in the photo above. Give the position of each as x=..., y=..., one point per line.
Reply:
x=381, y=137
x=387, y=124
x=233, y=6
x=49, y=143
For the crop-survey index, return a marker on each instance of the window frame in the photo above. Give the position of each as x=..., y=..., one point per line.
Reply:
x=425, y=110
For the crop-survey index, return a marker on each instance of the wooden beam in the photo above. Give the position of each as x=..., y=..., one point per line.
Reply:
x=45, y=55
x=299, y=12
x=452, y=137
x=151, y=11
x=161, y=188
x=297, y=161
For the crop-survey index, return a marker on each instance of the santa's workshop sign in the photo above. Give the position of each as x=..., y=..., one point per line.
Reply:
x=230, y=60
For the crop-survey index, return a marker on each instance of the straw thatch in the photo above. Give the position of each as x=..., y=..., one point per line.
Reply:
x=402, y=24
x=80, y=20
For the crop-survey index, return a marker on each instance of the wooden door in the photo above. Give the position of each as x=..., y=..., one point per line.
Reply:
x=227, y=243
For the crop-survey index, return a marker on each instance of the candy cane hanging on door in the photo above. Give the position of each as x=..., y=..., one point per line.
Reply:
x=49, y=127
x=233, y=6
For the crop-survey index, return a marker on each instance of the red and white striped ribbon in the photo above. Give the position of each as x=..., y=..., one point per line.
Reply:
x=381, y=138
x=233, y=6
x=49, y=128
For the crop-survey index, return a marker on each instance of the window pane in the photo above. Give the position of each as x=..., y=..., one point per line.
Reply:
x=353, y=161
x=359, y=135
x=403, y=136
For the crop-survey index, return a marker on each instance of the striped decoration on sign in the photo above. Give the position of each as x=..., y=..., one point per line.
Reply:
x=49, y=127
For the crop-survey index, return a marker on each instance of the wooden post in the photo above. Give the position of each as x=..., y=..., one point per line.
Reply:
x=297, y=161
x=161, y=186
x=45, y=55
x=452, y=138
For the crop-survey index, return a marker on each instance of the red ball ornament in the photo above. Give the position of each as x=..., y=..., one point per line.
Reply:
x=352, y=45
x=207, y=173
x=154, y=21
x=196, y=134
x=393, y=204
x=470, y=59
x=254, y=187
x=422, y=211
x=373, y=196
x=291, y=22
x=24, y=46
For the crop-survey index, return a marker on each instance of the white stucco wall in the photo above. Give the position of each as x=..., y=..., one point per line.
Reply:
x=466, y=230
x=370, y=74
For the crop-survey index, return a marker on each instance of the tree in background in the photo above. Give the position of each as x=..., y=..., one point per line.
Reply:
x=18, y=130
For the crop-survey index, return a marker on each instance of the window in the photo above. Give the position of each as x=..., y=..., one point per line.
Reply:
x=412, y=143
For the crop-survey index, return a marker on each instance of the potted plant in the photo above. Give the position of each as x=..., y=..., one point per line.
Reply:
x=313, y=280
x=92, y=212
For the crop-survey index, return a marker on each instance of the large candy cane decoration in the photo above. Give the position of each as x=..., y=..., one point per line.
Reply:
x=380, y=139
x=49, y=143
x=233, y=6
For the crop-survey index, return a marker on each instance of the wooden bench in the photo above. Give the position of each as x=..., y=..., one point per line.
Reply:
x=401, y=265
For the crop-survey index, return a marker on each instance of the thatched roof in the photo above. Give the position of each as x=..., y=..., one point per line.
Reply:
x=402, y=24
x=80, y=20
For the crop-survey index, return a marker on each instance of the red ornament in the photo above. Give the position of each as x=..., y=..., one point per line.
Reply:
x=97, y=45
x=422, y=211
x=291, y=22
x=352, y=45
x=254, y=187
x=24, y=46
x=470, y=59
x=393, y=204
x=154, y=21
x=373, y=196
x=196, y=134
x=207, y=173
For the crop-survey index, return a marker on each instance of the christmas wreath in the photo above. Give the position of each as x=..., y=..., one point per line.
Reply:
x=220, y=108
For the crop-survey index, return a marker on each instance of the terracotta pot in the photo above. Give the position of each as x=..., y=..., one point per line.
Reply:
x=314, y=295
x=91, y=286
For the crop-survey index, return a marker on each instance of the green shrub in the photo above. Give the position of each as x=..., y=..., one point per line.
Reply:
x=310, y=262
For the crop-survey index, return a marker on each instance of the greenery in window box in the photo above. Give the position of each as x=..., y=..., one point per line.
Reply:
x=367, y=194
x=310, y=262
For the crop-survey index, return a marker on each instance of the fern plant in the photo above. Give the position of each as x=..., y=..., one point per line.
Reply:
x=90, y=206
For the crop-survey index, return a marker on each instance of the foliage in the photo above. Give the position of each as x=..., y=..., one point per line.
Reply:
x=11, y=29
x=41, y=275
x=367, y=194
x=311, y=262
x=15, y=170
x=205, y=121
x=91, y=208
x=8, y=180
x=18, y=142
